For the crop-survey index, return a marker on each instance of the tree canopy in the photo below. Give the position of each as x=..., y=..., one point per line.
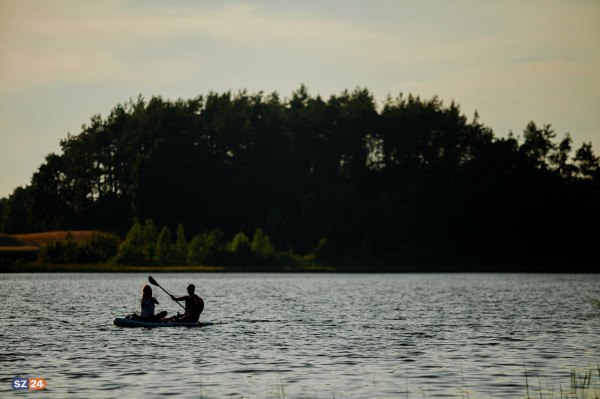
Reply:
x=409, y=182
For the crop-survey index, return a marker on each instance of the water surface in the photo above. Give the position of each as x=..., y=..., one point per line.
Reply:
x=303, y=335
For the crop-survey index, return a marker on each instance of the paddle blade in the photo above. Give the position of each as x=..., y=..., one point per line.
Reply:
x=152, y=281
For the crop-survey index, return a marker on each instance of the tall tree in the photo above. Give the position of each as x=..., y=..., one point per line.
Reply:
x=14, y=216
x=538, y=144
x=586, y=162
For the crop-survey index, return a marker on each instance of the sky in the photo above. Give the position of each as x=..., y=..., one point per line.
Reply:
x=64, y=61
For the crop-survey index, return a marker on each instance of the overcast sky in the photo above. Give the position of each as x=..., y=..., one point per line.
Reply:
x=63, y=61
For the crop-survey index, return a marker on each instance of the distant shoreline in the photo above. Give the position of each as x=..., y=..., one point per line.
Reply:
x=99, y=268
x=19, y=254
x=34, y=267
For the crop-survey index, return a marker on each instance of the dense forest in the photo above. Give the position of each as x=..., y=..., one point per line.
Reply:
x=411, y=184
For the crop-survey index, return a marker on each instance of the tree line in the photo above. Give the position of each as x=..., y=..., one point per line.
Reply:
x=410, y=182
x=145, y=246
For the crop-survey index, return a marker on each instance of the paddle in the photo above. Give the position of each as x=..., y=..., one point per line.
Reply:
x=153, y=282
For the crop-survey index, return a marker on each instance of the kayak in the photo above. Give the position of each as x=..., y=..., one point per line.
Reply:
x=136, y=323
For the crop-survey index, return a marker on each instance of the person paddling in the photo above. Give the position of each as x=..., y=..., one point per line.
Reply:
x=194, y=305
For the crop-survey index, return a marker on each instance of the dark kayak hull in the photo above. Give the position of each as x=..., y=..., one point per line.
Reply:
x=136, y=323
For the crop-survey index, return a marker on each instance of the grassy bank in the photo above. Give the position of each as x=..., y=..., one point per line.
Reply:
x=36, y=267
x=90, y=251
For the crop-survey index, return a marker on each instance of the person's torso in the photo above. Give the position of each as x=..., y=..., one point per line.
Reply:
x=195, y=303
x=147, y=305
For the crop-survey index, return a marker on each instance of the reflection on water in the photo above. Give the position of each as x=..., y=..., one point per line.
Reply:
x=304, y=336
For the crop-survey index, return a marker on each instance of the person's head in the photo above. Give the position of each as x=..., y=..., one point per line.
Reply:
x=147, y=290
x=190, y=289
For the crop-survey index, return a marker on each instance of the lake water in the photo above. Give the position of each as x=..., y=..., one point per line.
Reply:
x=304, y=336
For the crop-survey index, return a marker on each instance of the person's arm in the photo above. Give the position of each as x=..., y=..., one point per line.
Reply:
x=155, y=301
x=183, y=298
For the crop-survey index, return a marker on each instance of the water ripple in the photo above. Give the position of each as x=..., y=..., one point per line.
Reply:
x=304, y=336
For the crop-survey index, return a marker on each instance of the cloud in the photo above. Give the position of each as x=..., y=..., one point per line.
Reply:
x=44, y=42
x=511, y=51
x=49, y=41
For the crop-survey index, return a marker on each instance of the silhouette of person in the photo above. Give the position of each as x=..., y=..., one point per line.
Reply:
x=194, y=305
x=147, y=302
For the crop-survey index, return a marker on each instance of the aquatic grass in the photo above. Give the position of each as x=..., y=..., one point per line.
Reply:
x=465, y=389
x=526, y=379
x=580, y=386
x=580, y=381
x=281, y=385
x=537, y=374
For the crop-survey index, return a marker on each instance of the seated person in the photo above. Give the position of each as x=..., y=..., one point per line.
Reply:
x=194, y=305
x=147, y=302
